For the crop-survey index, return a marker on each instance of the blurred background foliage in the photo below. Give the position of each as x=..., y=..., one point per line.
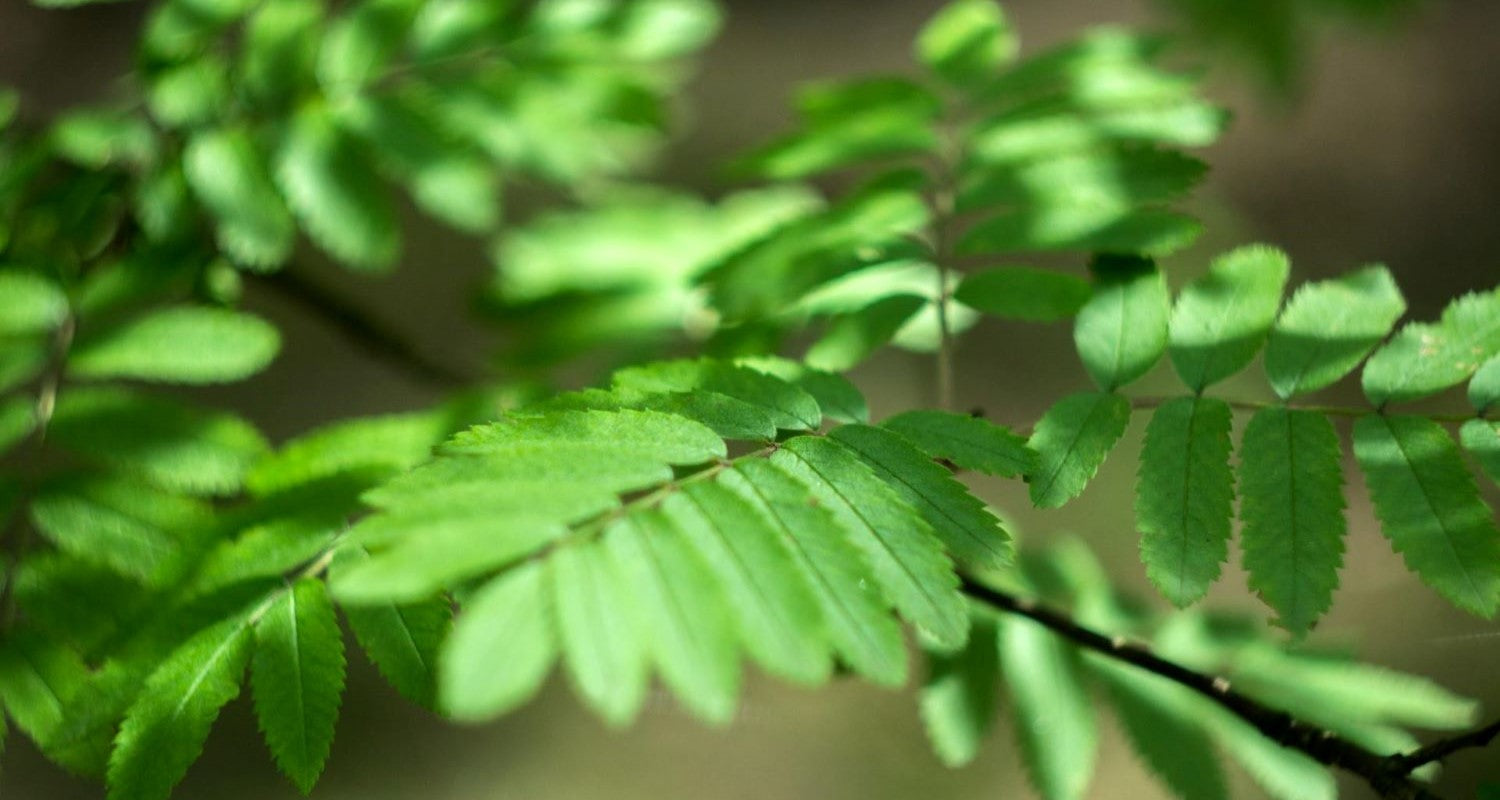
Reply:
x=1363, y=131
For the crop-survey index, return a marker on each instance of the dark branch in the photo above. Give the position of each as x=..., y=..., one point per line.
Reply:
x=1439, y=750
x=364, y=330
x=1389, y=776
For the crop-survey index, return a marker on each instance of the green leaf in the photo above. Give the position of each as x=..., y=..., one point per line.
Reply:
x=788, y=407
x=647, y=435
x=1055, y=724
x=1024, y=293
x=1071, y=441
x=280, y=47
x=959, y=699
x=1158, y=718
x=297, y=679
x=330, y=186
x=967, y=42
x=1349, y=694
x=189, y=94
x=1424, y=358
x=678, y=609
x=20, y=361
x=386, y=444
x=1481, y=437
x=268, y=550
x=174, y=446
x=1292, y=505
x=135, y=530
x=179, y=345
x=1328, y=327
x=361, y=44
x=854, y=614
x=602, y=649
x=501, y=648
x=98, y=139
x=967, y=442
x=1484, y=389
x=1430, y=508
x=1185, y=496
x=228, y=174
x=853, y=337
x=1221, y=319
x=1283, y=773
x=664, y=29
x=165, y=728
x=401, y=640
x=840, y=400
x=38, y=678
x=969, y=532
x=1099, y=228
x=779, y=622
x=901, y=549
x=1122, y=331
x=30, y=303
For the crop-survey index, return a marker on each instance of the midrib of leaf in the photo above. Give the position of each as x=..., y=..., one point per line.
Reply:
x=829, y=590
x=932, y=601
x=1291, y=480
x=202, y=673
x=1184, y=517
x=297, y=672
x=1442, y=521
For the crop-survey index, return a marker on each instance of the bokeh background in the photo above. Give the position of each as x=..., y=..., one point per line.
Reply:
x=1389, y=151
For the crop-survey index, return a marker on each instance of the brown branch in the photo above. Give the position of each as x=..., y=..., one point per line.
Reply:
x=359, y=327
x=1389, y=776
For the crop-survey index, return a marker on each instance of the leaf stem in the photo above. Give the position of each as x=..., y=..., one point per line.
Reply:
x=1388, y=776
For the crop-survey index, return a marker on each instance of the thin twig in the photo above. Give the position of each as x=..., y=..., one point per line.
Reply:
x=365, y=330
x=1389, y=776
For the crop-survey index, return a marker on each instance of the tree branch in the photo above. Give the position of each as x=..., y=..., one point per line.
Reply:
x=1389, y=776
x=359, y=327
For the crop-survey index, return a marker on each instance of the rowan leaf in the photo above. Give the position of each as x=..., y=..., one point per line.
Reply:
x=969, y=532
x=1292, y=505
x=1185, y=496
x=778, y=621
x=1481, y=437
x=179, y=345
x=967, y=442
x=1161, y=723
x=297, y=679
x=401, y=640
x=31, y=303
x=1024, y=293
x=858, y=624
x=1328, y=327
x=967, y=42
x=165, y=728
x=1055, y=725
x=601, y=647
x=502, y=646
x=959, y=700
x=1221, y=319
x=228, y=174
x=1071, y=441
x=1424, y=358
x=680, y=613
x=333, y=191
x=1430, y=508
x=900, y=548
x=1122, y=331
